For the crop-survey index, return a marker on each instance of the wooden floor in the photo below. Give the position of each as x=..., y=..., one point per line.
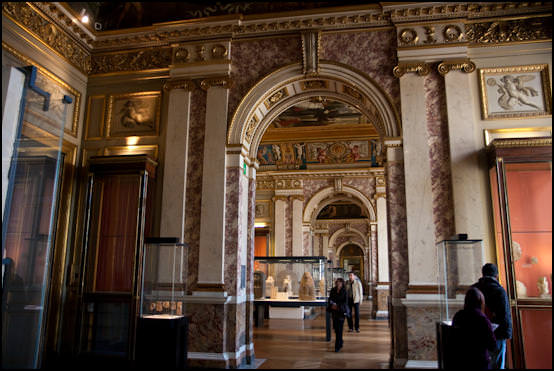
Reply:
x=291, y=344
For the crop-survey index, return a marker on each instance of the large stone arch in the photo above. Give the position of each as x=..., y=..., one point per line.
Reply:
x=318, y=201
x=287, y=86
x=349, y=232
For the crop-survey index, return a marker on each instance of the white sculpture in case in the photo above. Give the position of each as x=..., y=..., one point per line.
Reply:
x=307, y=287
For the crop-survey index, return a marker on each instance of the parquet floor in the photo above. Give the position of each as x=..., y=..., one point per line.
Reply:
x=292, y=344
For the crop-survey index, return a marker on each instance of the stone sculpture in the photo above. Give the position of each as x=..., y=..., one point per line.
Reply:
x=542, y=285
x=307, y=287
x=270, y=287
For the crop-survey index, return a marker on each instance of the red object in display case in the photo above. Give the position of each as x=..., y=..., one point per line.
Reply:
x=521, y=188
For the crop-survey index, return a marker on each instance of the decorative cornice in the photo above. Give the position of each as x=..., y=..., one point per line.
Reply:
x=63, y=17
x=421, y=68
x=34, y=21
x=218, y=82
x=288, y=184
x=464, y=65
x=279, y=198
x=296, y=197
x=521, y=142
x=500, y=31
x=187, y=85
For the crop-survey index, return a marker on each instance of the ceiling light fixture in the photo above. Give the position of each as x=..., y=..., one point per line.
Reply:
x=84, y=16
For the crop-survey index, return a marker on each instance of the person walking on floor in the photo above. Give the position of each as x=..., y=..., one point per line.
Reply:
x=474, y=334
x=337, y=305
x=355, y=297
x=497, y=309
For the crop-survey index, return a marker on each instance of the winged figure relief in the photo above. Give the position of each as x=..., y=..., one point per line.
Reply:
x=513, y=92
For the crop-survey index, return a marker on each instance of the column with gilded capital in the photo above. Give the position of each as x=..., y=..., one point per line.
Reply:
x=467, y=191
x=383, y=284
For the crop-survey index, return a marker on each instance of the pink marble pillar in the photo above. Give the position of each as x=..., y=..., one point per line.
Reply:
x=398, y=250
x=250, y=269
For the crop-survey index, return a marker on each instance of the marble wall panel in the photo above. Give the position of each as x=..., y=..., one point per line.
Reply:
x=194, y=183
x=332, y=228
x=372, y=52
x=400, y=336
x=254, y=59
x=207, y=327
x=439, y=154
x=236, y=326
x=422, y=344
x=362, y=227
x=288, y=227
x=365, y=185
x=312, y=186
x=307, y=244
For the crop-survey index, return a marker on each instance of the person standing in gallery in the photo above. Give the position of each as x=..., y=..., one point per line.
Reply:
x=337, y=305
x=475, y=336
x=497, y=309
x=355, y=297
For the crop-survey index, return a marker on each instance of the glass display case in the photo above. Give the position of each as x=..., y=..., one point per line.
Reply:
x=459, y=267
x=292, y=278
x=520, y=173
x=164, y=274
x=118, y=218
x=332, y=273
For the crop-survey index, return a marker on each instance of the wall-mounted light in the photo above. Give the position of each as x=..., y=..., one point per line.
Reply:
x=260, y=225
x=131, y=141
x=83, y=16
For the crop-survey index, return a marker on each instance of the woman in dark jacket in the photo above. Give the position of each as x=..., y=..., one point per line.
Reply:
x=475, y=336
x=339, y=309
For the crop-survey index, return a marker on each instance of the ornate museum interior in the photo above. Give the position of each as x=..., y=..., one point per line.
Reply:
x=212, y=165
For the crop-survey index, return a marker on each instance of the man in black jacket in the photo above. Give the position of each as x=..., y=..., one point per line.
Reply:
x=498, y=311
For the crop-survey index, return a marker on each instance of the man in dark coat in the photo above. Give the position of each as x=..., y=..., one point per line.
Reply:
x=498, y=311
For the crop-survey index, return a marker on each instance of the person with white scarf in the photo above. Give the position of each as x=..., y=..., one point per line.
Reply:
x=355, y=297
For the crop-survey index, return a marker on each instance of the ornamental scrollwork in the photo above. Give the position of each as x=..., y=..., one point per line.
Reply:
x=421, y=68
x=219, y=82
x=508, y=31
x=464, y=65
x=32, y=20
x=131, y=61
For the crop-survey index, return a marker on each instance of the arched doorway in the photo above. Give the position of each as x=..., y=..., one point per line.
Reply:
x=351, y=258
x=272, y=96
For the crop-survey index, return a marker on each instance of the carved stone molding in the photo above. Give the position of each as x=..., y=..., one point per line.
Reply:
x=379, y=195
x=421, y=68
x=32, y=20
x=288, y=184
x=131, y=61
x=187, y=85
x=338, y=184
x=497, y=32
x=464, y=65
x=265, y=184
x=193, y=53
x=250, y=128
x=217, y=82
x=279, y=198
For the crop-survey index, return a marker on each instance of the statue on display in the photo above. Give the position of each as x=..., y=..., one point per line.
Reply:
x=521, y=290
x=259, y=285
x=270, y=286
x=307, y=287
x=287, y=286
x=516, y=250
x=322, y=288
x=542, y=285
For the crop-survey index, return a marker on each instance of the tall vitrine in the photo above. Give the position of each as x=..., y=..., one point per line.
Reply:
x=119, y=206
x=521, y=190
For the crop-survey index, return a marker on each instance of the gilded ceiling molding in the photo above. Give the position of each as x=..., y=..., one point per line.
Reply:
x=33, y=21
x=421, y=68
x=520, y=142
x=136, y=60
x=219, y=82
x=184, y=54
x=187, y=85
x=464, y=65
x=506, y=31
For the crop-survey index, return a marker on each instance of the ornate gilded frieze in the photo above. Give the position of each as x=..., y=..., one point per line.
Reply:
x=464, y=65
x=251, y=128
x=276, y=97
x=496, y=32
x=147, y=59
x=421, y=68
x=265, y=184
x=193, y=53
x=32, y=20
x=426, y=35
x=288, y=184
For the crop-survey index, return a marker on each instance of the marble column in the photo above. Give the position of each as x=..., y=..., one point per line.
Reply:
x=325, y=246
x=467, y=193
x=279, y=223
x=317, y=248
x=307, y=241
x=249, y=318
x=372, y=238
x=212, y=213
x=417, y=170
x=297, y=235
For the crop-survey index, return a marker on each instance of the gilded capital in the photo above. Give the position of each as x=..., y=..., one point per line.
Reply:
x=421, y=68
x=219, y=82
x=297, y=197
x=464, y=65
x=187, y=85
x=279, y=198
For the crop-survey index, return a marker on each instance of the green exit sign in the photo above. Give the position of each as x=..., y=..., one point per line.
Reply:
x=244, y=169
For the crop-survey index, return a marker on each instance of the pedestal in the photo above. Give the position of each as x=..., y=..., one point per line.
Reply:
x=162, y=343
